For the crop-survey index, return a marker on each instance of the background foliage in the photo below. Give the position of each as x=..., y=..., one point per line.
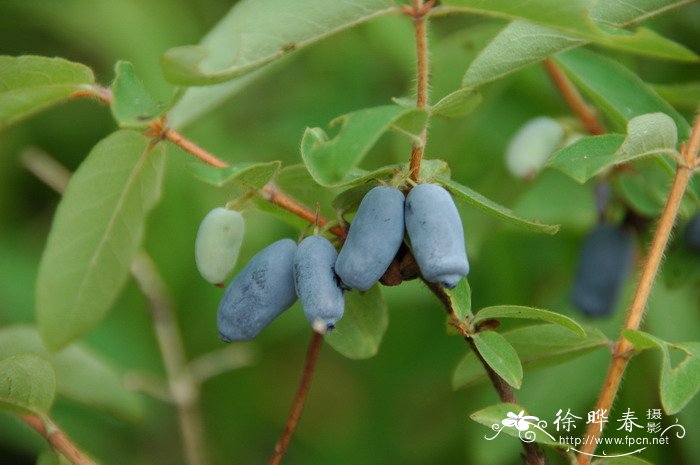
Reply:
x=398, y=407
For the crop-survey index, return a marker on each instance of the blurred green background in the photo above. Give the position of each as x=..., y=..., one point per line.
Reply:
x=398, y=407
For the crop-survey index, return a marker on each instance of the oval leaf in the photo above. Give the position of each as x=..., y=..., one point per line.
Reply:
x=96, y=232
x=257, y=32
x=27, y=384
x=529, y=313
x=537, y=346
x=616, y=90
x=331, y=160
x=81, y=375
x=461, y=300
x=29, y=84
x=681, y=383
x=458, y=104
x=495, y=414
x=501, y=356
x=472, y=197
x=132, y=105
x=648, y=135
x=587, y=157
x=359, y=333
x=247, y=174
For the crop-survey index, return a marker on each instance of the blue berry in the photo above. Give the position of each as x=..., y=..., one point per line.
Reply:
x=437, y=238
x=605, y=262
x=262, y=291
x=317, y=284
x=375, y=236
x=218, y=242
x=692, y=233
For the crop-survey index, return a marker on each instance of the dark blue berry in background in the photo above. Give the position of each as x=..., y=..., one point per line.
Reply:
x=692, y=233
x=375, y=235
x=436, y=234
x=317, y=284
x=604, y=264
x=262, y=291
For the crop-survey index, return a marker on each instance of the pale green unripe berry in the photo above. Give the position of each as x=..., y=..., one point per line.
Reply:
x=218, y=242
x=532, y=145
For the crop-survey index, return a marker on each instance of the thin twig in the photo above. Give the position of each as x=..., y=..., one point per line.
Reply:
x=299, y=399
x=419, y=12
x=533, y=453
x=273, y=195
x=58, y=439
x=574, y=99
x=183, y=388
x=189, y=146
x=624, y=348
x=220, y=361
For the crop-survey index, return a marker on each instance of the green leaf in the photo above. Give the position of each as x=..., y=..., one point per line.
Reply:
x=528, y=313
x=27, y=384
x=29, y=84
x=645, y=189
x=681, y=383
x=500, y=356
x=522, y=43
x=458, y=104
x=571, y=16
x=495, y=414
x=257, y=32
x=331, y=160
x=96, y=231
x=81, y=375
x=587, y=157
x=359, y=333
x=132, y=105
x=648, y=135
x=678, y=384
x=537, y=346
x=643, y=341
x=621, y=13
x=519, y=44
x=616, y=90
x=350, y=199
x=461, y=300
x=684, y=95
x=247, y=174
x=472, y=197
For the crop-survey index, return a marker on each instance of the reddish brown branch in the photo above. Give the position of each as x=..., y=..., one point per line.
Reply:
x=299, y=399
x=624, y=348
x=192, y=148
x=574, y=99
x=418, y=11
x=58, y=440
x=279, y=198
x=533, y=453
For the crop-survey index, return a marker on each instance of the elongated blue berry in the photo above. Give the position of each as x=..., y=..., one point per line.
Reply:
x=262, y=291
x=218, y=242
x=317, y=284
x=692, y=233
x=437, y=238
x=375, y=236
x=605, y=262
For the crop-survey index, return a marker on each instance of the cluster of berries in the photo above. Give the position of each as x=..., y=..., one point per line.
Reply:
x=316, y=274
